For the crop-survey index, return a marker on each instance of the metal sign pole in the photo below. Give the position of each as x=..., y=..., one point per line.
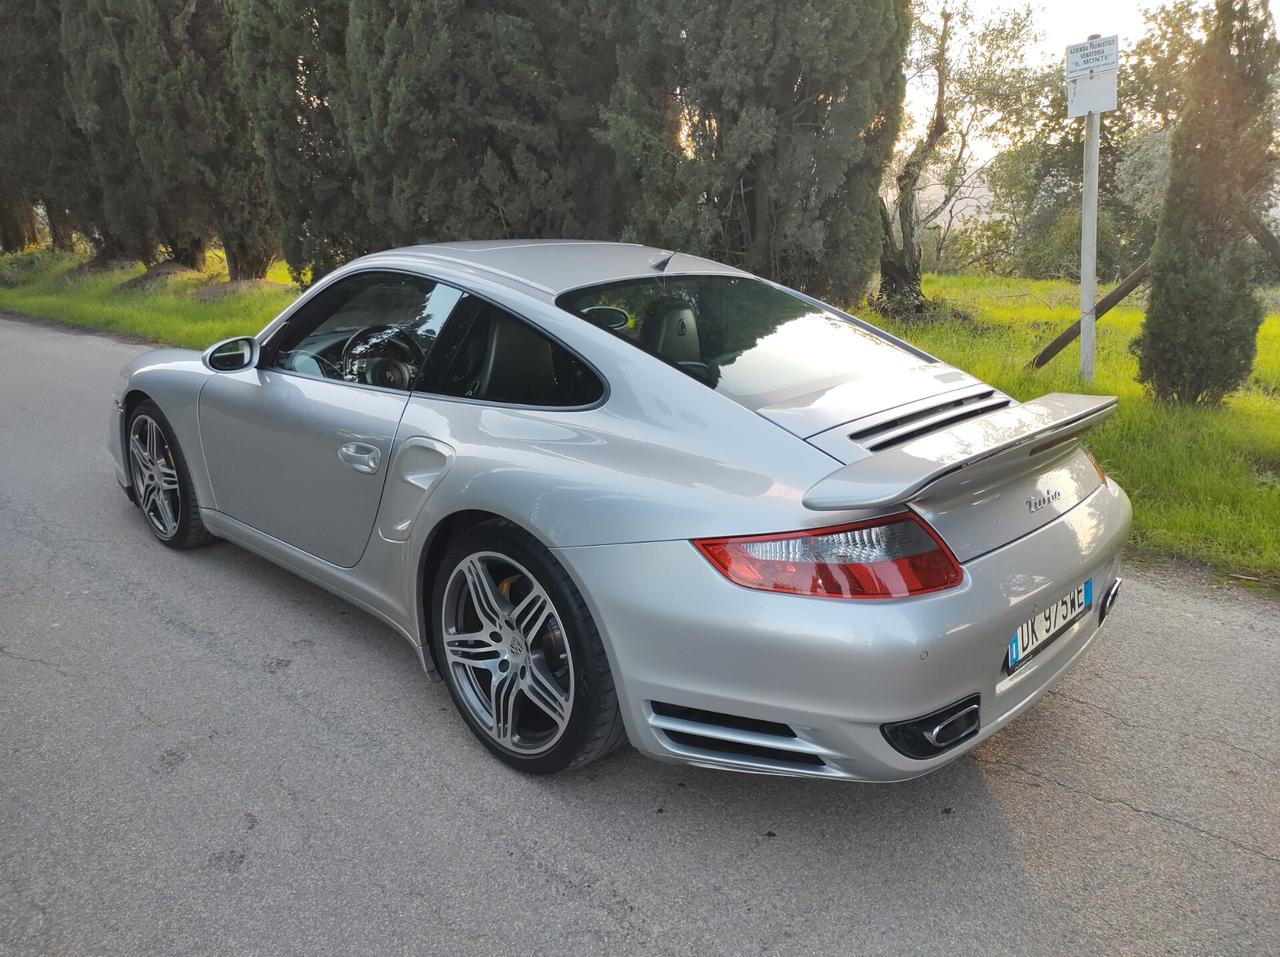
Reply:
x=1091, y=91
x=1089, y=245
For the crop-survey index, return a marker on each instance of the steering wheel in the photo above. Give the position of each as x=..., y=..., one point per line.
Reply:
x=385, y=356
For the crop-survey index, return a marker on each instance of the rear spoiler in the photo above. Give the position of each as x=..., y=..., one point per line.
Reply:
x=971, y=450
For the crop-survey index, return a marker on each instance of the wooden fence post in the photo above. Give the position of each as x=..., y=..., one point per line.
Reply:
x=1127, y=285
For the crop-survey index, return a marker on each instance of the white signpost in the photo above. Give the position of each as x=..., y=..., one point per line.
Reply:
x=1091, y=91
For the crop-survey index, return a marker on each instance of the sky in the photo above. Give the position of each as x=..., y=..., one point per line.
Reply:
x=1063, y=22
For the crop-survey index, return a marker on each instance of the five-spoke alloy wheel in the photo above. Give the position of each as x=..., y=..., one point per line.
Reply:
x=520, y=652
x=161, y=484
x=504, y=645
x=155, y=479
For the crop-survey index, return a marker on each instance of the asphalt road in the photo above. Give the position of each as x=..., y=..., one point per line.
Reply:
x=204, y=754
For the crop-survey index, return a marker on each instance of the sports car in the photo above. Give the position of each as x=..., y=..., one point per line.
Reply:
x=614, y=493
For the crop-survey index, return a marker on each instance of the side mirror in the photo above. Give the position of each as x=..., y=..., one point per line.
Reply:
x=231, y=355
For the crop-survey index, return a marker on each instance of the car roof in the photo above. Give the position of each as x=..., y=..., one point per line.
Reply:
x=553, y=266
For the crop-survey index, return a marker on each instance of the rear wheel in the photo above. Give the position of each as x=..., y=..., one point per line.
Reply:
x=161, y=481
x=520, y=653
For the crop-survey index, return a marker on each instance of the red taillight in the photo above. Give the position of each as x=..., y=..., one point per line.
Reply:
x=888, y=557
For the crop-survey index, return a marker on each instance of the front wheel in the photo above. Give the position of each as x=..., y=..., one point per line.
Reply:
x=520, y=653
x=162, y=485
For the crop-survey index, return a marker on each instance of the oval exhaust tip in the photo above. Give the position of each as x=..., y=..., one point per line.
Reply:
x=953, y=729
x=1109, y=600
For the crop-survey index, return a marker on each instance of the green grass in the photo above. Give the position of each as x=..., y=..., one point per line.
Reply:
x=1205, y=483
x=56, y=286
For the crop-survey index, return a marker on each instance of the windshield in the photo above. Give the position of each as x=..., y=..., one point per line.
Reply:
x=751, y=341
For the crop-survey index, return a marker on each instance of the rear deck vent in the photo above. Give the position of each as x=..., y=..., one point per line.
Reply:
x=885, y=433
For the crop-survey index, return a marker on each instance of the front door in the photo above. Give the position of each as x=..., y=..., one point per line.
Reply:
x=298, y=448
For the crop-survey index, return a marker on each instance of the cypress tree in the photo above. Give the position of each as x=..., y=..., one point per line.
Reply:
x=1200, y=334
x=289, y=61
x=191, y=129
x=757, y=132
x=477, y=121
x=543, y=74
x=42, y=149
x=129, y=227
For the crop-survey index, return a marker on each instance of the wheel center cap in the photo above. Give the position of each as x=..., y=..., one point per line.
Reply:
x=516, y=646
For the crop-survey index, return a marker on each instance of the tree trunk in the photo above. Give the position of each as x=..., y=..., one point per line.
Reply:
x=105, y=247
x=109, y=248
x=248, y=261
x=900, y=291
x=61, y=228
x=1263, y=236
x=760, y=243
x=189, y=252
x=18, y=226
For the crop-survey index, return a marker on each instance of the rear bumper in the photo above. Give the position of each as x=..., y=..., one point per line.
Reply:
x=830, y=672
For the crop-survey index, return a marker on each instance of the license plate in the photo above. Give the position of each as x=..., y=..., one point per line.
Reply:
x=1048, y=623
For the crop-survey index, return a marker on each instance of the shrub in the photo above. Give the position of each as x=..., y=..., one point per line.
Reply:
x=1200, y=335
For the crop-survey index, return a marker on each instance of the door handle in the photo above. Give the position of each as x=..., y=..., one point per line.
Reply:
x=360, y=456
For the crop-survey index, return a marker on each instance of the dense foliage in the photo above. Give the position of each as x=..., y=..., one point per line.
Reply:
x=1200, y=335
x=129, y=226
x=191, y=129
x=757, y=133
x=43, y=152
x=323, y=128
x=289, y=56
x=468, y=120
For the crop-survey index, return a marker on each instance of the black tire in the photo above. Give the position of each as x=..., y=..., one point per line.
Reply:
x=190, y=531
x=594, y=726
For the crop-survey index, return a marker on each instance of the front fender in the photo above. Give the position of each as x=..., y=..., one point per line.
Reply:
x=172, y=379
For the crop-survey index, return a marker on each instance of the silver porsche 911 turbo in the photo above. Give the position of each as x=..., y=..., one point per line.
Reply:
x=610, y=492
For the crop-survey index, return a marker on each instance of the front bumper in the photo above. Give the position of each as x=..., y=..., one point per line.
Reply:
x=115, y=442
x=810, y=681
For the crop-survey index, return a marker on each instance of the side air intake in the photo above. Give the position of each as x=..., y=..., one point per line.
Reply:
x=745, y=743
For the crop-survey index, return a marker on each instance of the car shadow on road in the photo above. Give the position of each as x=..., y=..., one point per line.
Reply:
x=926, y=849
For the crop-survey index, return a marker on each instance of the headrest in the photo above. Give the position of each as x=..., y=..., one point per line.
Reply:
x=671, y=331
x=517, y=366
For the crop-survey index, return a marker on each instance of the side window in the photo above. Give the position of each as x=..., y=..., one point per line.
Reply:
x=373, y=328
x=487, y=353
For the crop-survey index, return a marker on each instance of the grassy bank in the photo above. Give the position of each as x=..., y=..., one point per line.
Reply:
x=57, y=286
x=1205, y=483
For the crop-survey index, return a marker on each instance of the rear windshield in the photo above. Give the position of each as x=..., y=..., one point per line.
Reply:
x=753, y=342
